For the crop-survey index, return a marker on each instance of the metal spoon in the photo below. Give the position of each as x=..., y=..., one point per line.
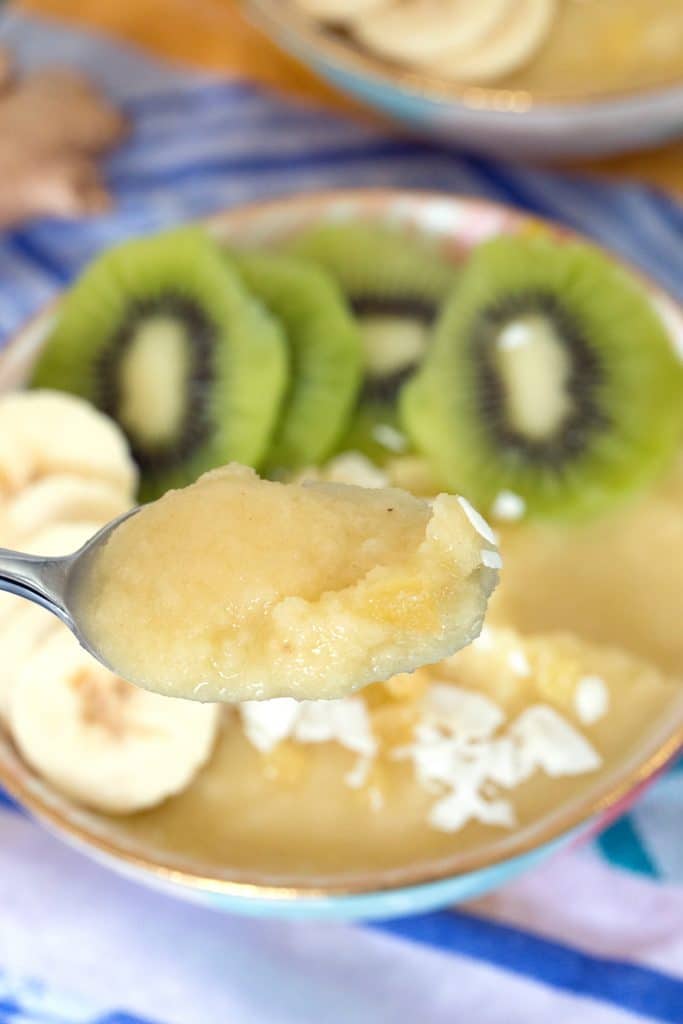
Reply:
x=53, y=582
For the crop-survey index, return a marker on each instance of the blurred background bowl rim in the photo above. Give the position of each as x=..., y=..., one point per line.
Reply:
x=281, y=21
x=22, y=784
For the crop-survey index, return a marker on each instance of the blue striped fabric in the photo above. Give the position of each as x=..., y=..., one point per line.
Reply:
x=200, y=144
x=36, y=1003
x=637, y=989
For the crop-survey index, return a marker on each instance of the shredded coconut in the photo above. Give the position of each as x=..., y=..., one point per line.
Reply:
x=354, y=468
x=390, y=438
x=463, y=751
x=591, y=699
x=477, y=520
x=508, y=507
x=345, y=721
x=491, y=559
x=550, y=742
x=465, y=714
x=266, y=723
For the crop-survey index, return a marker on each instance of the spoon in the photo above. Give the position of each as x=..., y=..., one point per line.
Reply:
x=52, y=582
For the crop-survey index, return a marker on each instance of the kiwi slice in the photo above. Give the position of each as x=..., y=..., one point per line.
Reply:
x=395, y=283
x=550, y=378
x=160, y=334
x=324, y=349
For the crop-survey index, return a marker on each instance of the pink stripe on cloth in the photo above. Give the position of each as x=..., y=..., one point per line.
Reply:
x=577, y=899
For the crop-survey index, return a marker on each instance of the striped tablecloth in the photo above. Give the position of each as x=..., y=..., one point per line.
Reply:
x=597, y=934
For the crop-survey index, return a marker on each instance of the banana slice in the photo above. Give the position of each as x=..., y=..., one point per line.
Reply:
x=15, y=464
x=340, y=11
x=61, y=538
x=62, y=498
x=54, y=540
x=60, y=433
x=22, y=625
x=511, y=44
x=103, y=742
x=415, y=30
x=23, y=628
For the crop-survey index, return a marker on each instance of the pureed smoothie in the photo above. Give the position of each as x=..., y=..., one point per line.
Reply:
x=238, y=588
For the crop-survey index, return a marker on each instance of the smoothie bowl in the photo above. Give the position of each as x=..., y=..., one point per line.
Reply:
x=548, y=78
x=418, y=341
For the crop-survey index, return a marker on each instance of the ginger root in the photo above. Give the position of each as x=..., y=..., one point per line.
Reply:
x=54, y=124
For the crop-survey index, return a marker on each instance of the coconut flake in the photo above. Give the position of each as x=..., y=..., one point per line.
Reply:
x=477, y=521
x=465, y=714
x=354, y=468
x=453, y=812
x=345, y=721
x=491, y=559
x=508, y=506
x=550, y=742
x=267, y=722
x=390, y=438
x=507, y=765
x=591, y=699
x=460, y=751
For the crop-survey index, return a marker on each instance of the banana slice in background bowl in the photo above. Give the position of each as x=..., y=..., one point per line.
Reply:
x=97, y=738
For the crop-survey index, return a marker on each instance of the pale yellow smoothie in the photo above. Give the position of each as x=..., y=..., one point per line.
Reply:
x=238, y=588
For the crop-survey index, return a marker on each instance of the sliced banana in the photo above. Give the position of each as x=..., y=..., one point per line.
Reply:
x=60, y=433
x=512, y=42
x=416, y=30
x=107, y=744
x=340, y=11
x=62, y=498
x=15, y=464
x=23, y=627
x=61, y=538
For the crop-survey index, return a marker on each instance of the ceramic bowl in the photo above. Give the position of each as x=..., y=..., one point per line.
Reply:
x=155, y=858
x=517, y=122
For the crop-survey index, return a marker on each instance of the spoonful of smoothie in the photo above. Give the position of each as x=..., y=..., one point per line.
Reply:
x=238, y=588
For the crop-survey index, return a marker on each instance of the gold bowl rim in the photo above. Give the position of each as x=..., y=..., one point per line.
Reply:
x=18, y=780
x=282, y=21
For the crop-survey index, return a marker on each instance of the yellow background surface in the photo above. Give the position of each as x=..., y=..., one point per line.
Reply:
x=214, y=35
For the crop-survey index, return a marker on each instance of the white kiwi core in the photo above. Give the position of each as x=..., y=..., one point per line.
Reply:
x=153, y=373
x=392, y=343
x=535, y=370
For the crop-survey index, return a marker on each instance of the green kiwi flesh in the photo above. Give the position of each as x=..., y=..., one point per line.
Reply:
x=324, y=350
x=395, y=283
x=550, y=376
x=162, y=335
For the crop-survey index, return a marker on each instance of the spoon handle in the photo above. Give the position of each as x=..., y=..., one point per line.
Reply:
x=41, y=580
